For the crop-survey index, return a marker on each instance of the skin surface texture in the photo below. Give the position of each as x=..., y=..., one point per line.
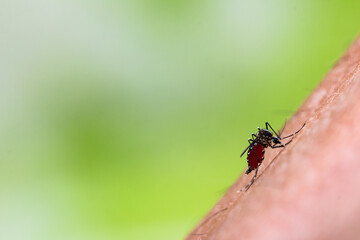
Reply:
x=311, y=188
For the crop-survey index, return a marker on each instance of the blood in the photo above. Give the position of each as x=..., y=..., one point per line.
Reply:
x=255, y=155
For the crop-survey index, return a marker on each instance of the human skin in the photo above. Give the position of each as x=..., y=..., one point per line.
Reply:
x=311, y=188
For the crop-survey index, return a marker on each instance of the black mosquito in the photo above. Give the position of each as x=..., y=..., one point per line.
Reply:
x=257, y=144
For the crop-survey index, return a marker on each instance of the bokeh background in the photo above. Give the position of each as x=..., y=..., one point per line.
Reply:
x=125, y=119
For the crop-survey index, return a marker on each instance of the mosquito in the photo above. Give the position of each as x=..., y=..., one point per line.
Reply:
x=257, y=144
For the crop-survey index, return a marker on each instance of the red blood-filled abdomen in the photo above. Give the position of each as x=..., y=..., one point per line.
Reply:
x=255, y=155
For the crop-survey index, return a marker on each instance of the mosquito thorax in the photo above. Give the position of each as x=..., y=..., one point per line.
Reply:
x=264, y=133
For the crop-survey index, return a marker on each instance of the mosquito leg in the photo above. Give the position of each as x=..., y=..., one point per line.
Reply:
x=288, y=136
x=294, y=132
x=253, y=136
x=289, y=141
x=267, y=127
x=250, y=144
x=280, y=146
x=291, y=135
x=253, y=179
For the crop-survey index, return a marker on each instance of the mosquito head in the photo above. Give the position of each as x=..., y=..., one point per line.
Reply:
x=276, y=140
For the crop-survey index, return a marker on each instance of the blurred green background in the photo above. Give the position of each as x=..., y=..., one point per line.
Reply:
x=125, y=119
